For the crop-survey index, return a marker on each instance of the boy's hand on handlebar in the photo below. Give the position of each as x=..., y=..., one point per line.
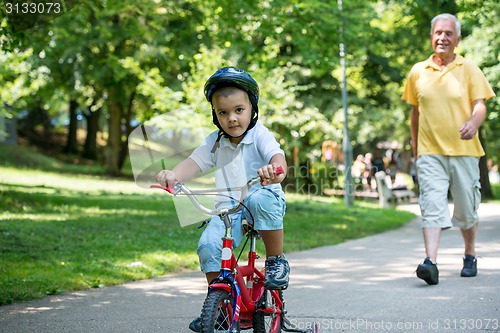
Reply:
x=271, y=174
x=166, y=178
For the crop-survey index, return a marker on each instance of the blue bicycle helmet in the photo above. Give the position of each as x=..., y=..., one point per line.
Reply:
x=233, y=77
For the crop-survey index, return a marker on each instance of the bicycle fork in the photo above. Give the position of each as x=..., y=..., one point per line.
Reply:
x=226, y=278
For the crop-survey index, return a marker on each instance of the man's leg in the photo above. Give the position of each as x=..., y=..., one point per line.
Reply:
x=432, y=237
x=466, y=191
x=469, y=236
x=434, y=183
x=470, y=261
x=428, y=270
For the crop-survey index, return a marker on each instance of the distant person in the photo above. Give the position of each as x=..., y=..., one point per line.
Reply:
x=392, y=169
x=447, y=94
x=493, y=174
x=413, y=173
x=358, y=169
x=378, y=163
x=367, y=175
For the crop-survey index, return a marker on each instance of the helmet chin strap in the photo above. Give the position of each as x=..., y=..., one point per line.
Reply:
x=224, y=134
x=221, y=134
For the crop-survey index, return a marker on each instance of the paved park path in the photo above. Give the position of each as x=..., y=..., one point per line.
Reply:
x=364, y=285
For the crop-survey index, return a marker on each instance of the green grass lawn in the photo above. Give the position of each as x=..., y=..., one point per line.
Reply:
x=496, y=191
x=62, y=230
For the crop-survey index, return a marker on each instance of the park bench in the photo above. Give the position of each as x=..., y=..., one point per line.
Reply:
x=389, y=196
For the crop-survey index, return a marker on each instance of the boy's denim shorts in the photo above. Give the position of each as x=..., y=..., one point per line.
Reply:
x=436, y=175
x=267, y=209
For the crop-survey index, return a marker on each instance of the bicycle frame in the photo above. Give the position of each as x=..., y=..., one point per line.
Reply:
x=231, y=279
x=245, y=283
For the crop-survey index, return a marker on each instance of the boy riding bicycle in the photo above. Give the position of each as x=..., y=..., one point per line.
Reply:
x=233, y=95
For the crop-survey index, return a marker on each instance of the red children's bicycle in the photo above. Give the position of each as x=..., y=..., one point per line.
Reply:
x=237, y=299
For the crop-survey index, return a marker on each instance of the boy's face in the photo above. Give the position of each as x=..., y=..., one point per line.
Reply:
x=233, y=110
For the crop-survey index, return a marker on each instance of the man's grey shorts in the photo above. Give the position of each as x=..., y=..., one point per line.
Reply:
x=459, y=174
x=266, y=207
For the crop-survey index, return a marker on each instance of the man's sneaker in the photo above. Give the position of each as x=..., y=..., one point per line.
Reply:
x=195, y=325
x=428, y=272
x=470, y=266
x=277, y=273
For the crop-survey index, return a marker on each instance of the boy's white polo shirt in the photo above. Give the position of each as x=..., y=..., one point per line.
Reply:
x=235, y=165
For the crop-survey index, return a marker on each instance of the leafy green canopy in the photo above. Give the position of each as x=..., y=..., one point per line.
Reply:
x=134, y=60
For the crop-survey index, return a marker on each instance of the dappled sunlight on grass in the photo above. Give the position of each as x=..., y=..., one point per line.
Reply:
x=59, y=232
x=6, y=216
x=81, y=183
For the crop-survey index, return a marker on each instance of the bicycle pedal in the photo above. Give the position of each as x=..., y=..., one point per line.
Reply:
x=279, y=289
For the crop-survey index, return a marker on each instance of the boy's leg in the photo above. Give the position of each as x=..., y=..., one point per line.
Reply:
x=273, y=241
x=210, y=252
x=210, y=244
x=211, y=276
x=267, y=210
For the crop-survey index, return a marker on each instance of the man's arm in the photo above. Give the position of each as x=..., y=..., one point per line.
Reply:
x=414, y=130
x=471, y=126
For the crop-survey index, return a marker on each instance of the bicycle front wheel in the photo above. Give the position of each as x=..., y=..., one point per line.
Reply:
x=267, y=317
x=217, y=313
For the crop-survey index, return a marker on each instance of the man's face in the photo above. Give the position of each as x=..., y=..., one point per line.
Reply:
x=444, y=37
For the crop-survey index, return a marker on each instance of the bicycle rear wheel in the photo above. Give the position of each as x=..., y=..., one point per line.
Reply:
x=265, y=317
x=217, y=313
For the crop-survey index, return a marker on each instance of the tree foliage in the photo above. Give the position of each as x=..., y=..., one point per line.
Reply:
x=127, y=61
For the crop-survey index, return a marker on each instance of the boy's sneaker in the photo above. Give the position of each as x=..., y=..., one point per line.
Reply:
x=428, y=271
x=195, y=325
x=277, y=273
x=470, y=266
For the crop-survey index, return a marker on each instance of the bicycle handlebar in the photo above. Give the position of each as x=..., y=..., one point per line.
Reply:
x=180, y=188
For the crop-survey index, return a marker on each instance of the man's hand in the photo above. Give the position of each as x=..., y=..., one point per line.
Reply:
x=468, y=130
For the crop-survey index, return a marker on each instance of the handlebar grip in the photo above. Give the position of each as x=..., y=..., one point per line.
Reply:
x=279, y=170
x=168, y=189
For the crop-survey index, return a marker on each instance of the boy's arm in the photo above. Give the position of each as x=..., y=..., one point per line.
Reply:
x=268, y=172
x=183, y=172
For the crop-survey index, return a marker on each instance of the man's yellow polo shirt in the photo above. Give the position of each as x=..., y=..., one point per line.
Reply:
x=444, y=99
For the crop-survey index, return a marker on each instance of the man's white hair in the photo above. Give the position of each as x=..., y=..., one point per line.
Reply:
x=450, y=17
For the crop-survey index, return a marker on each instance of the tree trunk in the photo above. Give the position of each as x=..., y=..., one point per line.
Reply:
x=44, y=118
x=71, y=142
x=90, y=147
x=113, y=146
x=486, y=191
x=128, y=130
